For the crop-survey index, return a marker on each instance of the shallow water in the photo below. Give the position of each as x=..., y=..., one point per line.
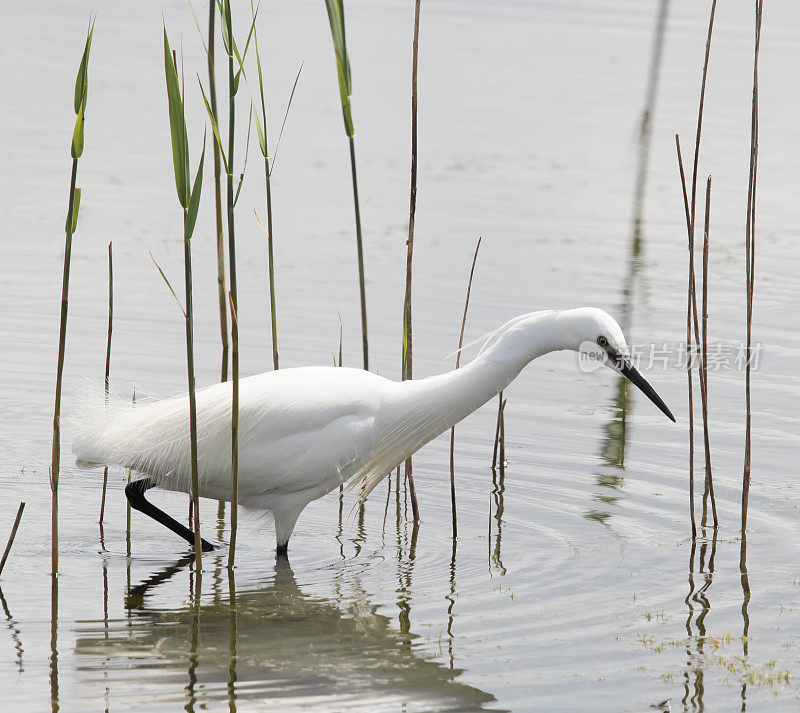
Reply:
x=574, y=584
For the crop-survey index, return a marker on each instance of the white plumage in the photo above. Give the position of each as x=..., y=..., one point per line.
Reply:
x=304, y=431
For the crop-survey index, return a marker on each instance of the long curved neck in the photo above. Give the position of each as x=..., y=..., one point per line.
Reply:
x=439, y=402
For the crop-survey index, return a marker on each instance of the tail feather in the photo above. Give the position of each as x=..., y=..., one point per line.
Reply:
x=150, y=436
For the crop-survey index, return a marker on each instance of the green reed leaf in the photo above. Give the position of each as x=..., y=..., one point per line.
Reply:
x=194, y=202
x=177, y=125
x=164, y=277
x=336, y=19
x=76, y=149
x=81, y=81
x=70, y=225
x=214, y=127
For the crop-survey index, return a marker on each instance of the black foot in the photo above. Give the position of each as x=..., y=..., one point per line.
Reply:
x=135, y=493
x=282, y=551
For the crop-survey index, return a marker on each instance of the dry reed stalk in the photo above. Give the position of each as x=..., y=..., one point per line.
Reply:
x=690, y=210
x=750, y=248
x=689, y=342
x=704, y=363
x=407, y=371
x=220, y=237
x=500, y=405
x=709, y=480
x=458, y=363
x=108, y=365
x=11, y=537
x=234, y=434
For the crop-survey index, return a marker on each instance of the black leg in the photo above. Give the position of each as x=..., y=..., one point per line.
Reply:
x=135, y=493
x=282, y=552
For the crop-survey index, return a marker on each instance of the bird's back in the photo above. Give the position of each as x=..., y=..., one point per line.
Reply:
x=298, y=429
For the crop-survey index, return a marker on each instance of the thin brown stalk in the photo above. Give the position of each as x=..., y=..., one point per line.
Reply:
x=108, y=366
x=690, y=204
x=220, y=238
x=500, y=403
x=502, y=435
x=704, y=363
x=689, y=342
x=234, y=433
x=750, y=250
x=700, y=111
x=410, y=242
x=189, y=321
x=11, y=537
x=458, y=363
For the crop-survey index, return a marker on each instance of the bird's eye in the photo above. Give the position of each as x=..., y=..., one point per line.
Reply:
x=602, y=341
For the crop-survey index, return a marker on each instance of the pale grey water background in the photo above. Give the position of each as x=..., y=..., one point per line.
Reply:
x=529, y=123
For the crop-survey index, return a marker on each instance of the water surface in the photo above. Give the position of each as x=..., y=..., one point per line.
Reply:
x=574, y=584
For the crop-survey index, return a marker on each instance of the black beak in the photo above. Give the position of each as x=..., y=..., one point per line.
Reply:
x=623, y=365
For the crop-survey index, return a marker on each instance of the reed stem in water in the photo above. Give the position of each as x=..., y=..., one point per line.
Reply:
x=234, y=435
x=407, y=327
x=750, y=262
x=189, y=199
x=76, y=150
x=336, y=19
x=704, y=362
x=11, y=537
x=220, y=236
x=108, y=365
x=458, y=363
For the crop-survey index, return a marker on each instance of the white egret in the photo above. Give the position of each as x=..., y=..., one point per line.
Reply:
x=304, y=431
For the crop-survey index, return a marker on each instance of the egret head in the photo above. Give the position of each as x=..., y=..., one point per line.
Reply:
x=597, y=332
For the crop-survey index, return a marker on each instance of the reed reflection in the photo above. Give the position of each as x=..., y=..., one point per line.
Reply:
x=54, y=705
x=745, y=581
x=698, y=604
x=233, y=629
x=498, y=498
x=16, y=634
x=451, y=602
x=615, y=436
x=272, y=640
x=406, y=554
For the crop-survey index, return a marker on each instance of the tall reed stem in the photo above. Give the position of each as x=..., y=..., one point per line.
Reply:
x=689, y=341
x=108, y=364
x=264, y=146
x=360, y=253
x=750, y=264
x=220, y=237
x=62, y=341
x=408, y=374
x=690, y=203
x=234, y=435
x=230, y=199
x=76, y=151
x=335, y=10
x=499, y=429
x=187, y=264
x=11, y=537
x=704, y=363
x=189, y=199
x=458, y=363
x=273, y=316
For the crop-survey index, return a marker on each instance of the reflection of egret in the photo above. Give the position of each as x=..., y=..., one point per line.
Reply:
x=276, y=642
x=303, y=432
